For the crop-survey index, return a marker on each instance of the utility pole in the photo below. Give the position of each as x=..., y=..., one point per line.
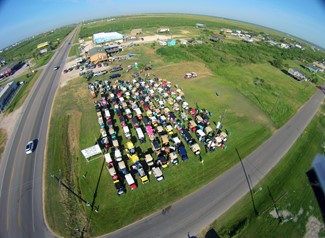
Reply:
x=70, y=190
x=275, y=207
x=249, y=186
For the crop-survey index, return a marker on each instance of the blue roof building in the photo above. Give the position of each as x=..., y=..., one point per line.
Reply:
x=171, y=43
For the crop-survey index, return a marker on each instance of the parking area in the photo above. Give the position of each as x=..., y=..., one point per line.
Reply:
x=146, y=126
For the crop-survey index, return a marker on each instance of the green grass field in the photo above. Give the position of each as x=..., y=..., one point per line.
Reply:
x=77, y=109
x=28, y=49
x=74, y=51
x=24, y=90
x=149, y=22
x=290, y=190
x=236, y=83
x=42, y=60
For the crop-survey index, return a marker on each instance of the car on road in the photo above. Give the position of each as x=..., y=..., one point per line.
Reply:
x=56, y=67
x=30, y=147
x=113, y=76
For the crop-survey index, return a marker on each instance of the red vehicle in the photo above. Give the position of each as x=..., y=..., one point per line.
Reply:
x=192, y=111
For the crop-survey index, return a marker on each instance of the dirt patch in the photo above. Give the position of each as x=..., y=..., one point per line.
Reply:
x=150, y=51
x=283, y=213
x=73, y=131
x=313, y=227
x=8, y=122
x=180, y=69
x=185, y=32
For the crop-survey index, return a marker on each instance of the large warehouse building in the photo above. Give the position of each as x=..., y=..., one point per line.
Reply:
x=103, y=37
x=6, y=93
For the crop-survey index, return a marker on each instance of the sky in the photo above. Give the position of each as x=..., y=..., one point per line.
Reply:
x=20, y=19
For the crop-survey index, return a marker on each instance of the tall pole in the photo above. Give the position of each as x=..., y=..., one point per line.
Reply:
x=70, y=190
x=249, y=186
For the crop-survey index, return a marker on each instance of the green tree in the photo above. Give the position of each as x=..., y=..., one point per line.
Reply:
x=278, y=63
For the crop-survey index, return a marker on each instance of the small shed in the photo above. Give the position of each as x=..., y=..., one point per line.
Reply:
x=300, y=76
x=312, y=68
x=200, y=25
x=163, y=30
x=217, y=37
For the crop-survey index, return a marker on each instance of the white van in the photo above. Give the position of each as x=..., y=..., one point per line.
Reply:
x=140, y=135
x=118, y=155
x=108, y=158
x=107, y=114
x=200, y=135
x=126, y=132
x=161, y=104
x=129, y=179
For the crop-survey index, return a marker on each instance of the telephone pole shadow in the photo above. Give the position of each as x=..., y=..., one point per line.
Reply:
x=248, y=183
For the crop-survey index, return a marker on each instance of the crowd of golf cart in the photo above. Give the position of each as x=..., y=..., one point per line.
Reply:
x=159, y=113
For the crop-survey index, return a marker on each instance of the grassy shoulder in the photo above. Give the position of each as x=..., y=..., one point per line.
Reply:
x=28, y=49
x=28, y=83
x=291, y=192
x=74, y=51
x=3, y=141
x=42, y=60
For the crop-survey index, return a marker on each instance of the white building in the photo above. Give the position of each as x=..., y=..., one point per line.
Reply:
x=5, y=94
x=104, y=37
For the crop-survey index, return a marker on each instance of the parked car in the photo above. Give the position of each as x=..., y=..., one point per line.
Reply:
x=155, y=145
x=146, y=121
x=113, y=76
x=130, y=181
x=143, y=176
x=190, y=75
x=130, y=147
x=149, y=160
x=187, y=136
x=157, y=173
x=97, y=73
x=182, y=152
x=122, y=167
x=140, y=135
x=115, y=69
x=162, y=161
x=173, y=158
x=127, y=132
x=120, y=188
x=118, y=155
x=196, y=149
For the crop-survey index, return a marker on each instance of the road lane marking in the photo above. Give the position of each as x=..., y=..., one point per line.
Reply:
x=9, y=188
x=7, y=215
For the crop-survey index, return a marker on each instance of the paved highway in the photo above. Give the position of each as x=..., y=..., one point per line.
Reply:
x=21, y=204
x=21, y=200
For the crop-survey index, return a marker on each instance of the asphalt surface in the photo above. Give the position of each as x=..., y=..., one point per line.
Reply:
x=21, y=200
x=21, y=204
